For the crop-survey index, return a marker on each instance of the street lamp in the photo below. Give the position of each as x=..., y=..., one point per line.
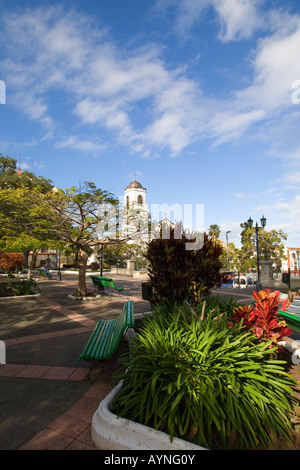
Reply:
x=100, y=259
x=294, y=258
x=58, y=273
x=228, y=231
x=263, y=222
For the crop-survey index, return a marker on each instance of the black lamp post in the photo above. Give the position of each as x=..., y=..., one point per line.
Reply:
x=263, y=222
x=228, y=231
x=294, y=258
x=100, y=259
x=59, y=273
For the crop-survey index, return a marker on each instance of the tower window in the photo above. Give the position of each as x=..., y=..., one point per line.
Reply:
x=140, y=199
x=127, y=202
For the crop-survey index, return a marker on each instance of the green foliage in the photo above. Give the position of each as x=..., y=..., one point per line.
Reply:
x=177, y=274
x=214, y=231
x=271, y=246
x=23, y=287
x=215, y=301
x=202, y=381
x=10, y=178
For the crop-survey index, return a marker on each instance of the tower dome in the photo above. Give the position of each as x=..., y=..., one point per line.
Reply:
x=134, y=185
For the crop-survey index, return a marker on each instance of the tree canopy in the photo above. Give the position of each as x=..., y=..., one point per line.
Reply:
x=11, y=178
x=74, y=216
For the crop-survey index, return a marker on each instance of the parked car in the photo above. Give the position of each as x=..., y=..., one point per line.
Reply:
x=229, y=283
x=241, y=282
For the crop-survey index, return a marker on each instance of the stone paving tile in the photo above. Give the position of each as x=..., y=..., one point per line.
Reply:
x=59, y=373
x=47, y=440
x=11, y=370
x=15, y=435
x=33, y=372
x=68, y=426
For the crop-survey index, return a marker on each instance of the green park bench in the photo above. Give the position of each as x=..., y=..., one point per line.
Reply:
x=107, y=335
x=41, y=272
x=101, y=282
x=292, y=320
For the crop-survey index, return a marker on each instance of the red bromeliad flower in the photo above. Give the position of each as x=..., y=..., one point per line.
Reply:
x=263, y=318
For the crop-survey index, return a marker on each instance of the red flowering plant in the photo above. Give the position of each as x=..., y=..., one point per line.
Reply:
x=263, y=318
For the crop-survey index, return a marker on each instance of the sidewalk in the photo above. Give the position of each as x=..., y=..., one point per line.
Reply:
x=47, y=398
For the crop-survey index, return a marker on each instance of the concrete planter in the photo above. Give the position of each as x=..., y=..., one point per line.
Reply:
x=112, y=433
x=19, y=296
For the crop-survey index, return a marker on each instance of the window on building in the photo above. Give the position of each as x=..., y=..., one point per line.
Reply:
x=140, y=199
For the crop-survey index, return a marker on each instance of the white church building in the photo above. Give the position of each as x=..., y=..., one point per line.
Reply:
x=135, y=213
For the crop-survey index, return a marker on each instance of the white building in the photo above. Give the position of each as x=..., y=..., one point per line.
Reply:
x=135, y=214
x=293, y=260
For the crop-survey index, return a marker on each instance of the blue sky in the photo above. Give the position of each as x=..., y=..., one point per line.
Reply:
x=197, y=99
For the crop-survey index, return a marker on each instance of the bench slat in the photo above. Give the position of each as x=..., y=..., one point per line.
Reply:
x=107, y=335
x=101, y=337
x=99, y=281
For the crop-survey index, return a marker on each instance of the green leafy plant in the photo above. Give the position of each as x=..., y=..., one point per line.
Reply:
x=199, y=380
x=23, y=287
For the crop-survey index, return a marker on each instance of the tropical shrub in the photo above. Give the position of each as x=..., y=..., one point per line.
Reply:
x=23, y=287
x=177, y=274
x=203, y=381
x=9, y=261
x=262, y=318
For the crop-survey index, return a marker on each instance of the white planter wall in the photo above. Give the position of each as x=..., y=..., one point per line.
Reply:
x=112, y=433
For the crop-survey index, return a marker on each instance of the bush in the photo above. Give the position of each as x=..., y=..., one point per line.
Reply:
x=177, y=274
x=262, y=318
x=202, y=381
x=9, y=261
x=93, y=266
x=23, y=287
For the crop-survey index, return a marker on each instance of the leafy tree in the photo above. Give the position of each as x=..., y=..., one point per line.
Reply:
x=22, y=242
x=10, y=178
x=69, y=216
x=271, y=245
x=214, y=231
x=118, y=254
x=229, y=263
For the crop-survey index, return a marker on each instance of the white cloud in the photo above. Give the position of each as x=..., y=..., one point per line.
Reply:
x=276, y=66
x=238, y=18
x=134, y=95
x=83, y=145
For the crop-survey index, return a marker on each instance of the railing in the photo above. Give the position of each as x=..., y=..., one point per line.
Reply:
x=292, y=275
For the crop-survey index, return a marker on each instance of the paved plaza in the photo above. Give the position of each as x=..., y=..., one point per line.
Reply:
x=47, y=398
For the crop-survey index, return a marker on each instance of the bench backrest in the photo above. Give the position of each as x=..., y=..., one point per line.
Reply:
x=126, y=319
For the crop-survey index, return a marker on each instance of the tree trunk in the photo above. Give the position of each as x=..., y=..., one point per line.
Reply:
x=32, y=263
x=83, y=254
